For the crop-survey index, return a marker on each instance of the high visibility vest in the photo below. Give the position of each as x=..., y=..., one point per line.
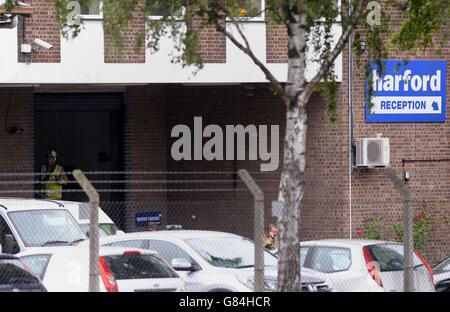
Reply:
x=52, y=189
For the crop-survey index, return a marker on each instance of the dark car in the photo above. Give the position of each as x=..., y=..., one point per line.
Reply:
x=15, y=277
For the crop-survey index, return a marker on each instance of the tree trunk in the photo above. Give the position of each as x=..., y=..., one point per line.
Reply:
x=291, y=194
x=293, y=175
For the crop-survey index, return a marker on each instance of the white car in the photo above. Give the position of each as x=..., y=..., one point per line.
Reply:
x=213, y=261
x=66, y=269
x=442, y=276
x=364, y=265
x=81, y=213
x=36, y=223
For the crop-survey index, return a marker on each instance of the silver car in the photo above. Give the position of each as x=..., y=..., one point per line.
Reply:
x=364, y=265
x=213, y=261
x=442, y=276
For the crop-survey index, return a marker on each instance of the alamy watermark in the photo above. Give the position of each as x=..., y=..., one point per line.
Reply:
x=373, y=17
x=74, y=15
x=227, y=144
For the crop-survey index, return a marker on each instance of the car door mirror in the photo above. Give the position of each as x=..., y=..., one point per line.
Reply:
x=10, y=245
x=181, y=264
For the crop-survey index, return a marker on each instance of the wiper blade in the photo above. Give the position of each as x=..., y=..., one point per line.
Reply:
x=55, y=242
x=77, y=241
x=245, y=266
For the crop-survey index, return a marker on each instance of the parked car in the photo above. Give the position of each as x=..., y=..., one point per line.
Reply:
x=66, y=269
x=15, y=277
x=364, y=265
x=33, y=223
x=213, y=261
x=81, y=213
x=442, y=276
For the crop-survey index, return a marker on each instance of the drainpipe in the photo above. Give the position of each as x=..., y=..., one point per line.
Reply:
x=350, y=125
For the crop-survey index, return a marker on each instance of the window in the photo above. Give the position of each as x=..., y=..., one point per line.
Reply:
x=90, y=7
x=4, y=230
x=330, y=259
x=336, y=7
x=37, y=264
x=303, y=254
x=390, y=257
x=160, y=9
x=129, y=243
x=229, y=251
x=39, y=228
x=168, y=251
x=250, y=8
x=109, y=228
x=12, y=272
x=87, y=227
x=139, y=267
x=443, y=266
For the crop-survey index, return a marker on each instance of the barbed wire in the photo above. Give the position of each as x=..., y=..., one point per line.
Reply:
x=15, y=182
x=9, y=174
x=131, y=190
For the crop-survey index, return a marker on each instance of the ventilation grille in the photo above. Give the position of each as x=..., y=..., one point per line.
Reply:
x=374, y=150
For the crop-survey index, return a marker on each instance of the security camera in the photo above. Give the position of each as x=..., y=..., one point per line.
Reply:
x=43, y=44
x=8, y=21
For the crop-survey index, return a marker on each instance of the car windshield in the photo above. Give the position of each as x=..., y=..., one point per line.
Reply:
x=39, y=228
x=12, y=272
x=229, y=251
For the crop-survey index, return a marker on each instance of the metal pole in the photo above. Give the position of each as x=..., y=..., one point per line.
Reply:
x=259, y=228
x=408, y=247
x=350, y=125
x=408, y=243
x=94, y=200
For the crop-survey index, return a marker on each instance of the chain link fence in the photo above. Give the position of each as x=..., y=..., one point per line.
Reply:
x=182, y=231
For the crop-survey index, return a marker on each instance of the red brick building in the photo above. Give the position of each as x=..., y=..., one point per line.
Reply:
x=103, y=113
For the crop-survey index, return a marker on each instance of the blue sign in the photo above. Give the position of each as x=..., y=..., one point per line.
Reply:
x=146, y=218
x=407, y=92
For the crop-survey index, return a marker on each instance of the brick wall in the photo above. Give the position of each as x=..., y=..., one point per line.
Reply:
x=276, y=42
x=129, y=54
x=17, y=150
x=146, y=131
x=373, y=194
x=41, y=24
x=212, y=43
x=225, y=210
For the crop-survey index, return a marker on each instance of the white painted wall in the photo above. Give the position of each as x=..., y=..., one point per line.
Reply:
x=82, y=62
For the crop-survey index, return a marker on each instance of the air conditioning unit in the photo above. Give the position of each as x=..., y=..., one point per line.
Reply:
x=372, y=152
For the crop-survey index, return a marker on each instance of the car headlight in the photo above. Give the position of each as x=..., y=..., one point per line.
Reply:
x=249, y=282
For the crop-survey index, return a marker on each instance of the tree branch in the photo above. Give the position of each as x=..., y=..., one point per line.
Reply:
x=276, y=85
x=328, y=62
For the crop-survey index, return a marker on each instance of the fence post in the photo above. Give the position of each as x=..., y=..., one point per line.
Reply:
x=408, y=242
x=408, y=239
x=258, y=228
x=94, y=201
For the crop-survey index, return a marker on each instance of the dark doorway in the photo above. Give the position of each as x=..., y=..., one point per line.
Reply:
x=86, y=132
